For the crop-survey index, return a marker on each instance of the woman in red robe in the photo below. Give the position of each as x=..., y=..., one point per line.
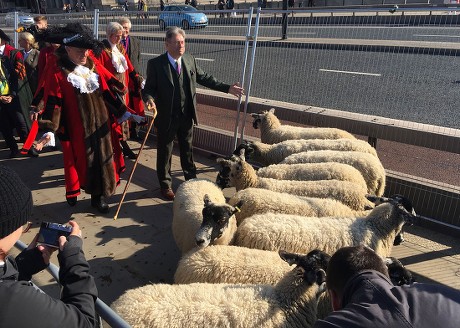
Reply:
x=116, y=60
x=78, y=99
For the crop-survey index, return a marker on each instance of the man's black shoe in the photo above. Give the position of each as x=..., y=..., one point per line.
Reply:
x=32, y=153
x=98, y=202
x=72, y=201
x=14, y=153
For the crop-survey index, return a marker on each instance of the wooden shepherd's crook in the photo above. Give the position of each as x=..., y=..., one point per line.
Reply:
x=134, y=166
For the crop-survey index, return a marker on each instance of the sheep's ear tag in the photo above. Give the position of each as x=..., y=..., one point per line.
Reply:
x=237, y=210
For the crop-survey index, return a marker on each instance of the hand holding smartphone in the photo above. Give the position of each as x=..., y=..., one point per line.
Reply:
x=50, y=232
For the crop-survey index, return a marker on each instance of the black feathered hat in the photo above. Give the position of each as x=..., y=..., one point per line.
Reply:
x=73, y=35
x=3, y=36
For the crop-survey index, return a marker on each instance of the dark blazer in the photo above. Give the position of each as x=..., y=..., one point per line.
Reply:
x=160, y=87
x=134, y=53
x=31, y=64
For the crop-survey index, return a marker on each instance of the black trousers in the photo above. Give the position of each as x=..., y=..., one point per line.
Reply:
x=182, y=128
x=12, y=118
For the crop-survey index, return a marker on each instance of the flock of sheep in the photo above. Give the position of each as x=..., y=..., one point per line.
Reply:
x=320, y=189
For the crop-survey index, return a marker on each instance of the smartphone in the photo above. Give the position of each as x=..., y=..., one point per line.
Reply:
x=49, y=233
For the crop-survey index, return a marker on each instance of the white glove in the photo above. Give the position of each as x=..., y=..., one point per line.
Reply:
x=51, y=141
x=136, y=118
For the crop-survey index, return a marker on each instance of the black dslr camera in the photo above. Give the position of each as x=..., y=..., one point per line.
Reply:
x=50, y=232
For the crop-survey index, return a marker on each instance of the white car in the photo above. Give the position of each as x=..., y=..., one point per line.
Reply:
x=23, y=19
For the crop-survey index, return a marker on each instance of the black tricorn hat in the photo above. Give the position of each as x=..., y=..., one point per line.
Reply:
x=3, y=36
x=73, y=35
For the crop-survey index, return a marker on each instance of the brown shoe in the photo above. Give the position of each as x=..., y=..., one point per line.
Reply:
x=168, y=194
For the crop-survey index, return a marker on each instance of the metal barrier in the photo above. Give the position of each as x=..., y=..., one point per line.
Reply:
x=106, y=313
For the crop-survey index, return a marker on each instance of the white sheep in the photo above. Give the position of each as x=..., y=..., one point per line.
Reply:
x=237, y=265
x=194, y=198
x=237, y=173
x=230, y=264
x=257, y=201
x=271, y=130
x=292, y=302
x=296, y=233
x=370, y=166
x=312, y=171
x=267, y=154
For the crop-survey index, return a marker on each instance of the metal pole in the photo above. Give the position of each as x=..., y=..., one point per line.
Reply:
x=243, y=75
x=16, y=23
x=251, y=69
x=96, y=24
x=284, y=20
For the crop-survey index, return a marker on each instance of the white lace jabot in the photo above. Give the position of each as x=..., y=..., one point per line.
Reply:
x=118, y=60
x=83, y=79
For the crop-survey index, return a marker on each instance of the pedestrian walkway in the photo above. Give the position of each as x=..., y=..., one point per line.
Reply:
x=138, y=247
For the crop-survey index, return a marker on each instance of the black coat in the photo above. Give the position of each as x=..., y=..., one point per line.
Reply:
x=134, y=53
x=23, y=305
x=160, y=86
x=371, y=300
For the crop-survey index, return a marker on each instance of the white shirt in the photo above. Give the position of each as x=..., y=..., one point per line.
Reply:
x=173, y=61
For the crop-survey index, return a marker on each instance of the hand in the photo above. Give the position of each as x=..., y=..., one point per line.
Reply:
x=236, y=90
x=75, y=232
x=33, y=116
x=151, y=107
x=6, y=99
x=45, y=250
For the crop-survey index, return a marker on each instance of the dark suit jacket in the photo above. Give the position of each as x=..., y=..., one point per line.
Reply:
x=134, y=53
x=31, y=64
x=159, y=86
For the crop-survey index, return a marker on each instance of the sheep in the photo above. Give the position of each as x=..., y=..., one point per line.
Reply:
x=296, y=233
x=370, y=166
x=399, y=275
x=312, y=171
x=271, y=130
x=230, y=264
x=257, y=201
x=188, y=213
x=237, y=173
x=233, y=264
x=291, y=302
x=267, y=154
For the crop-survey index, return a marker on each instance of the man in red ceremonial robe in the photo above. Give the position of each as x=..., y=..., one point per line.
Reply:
x=78, y=99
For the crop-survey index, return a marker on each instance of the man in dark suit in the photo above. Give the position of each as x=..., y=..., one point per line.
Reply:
x=133, y=49
x=170, y=90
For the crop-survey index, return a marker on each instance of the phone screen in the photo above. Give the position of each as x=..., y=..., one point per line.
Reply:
x=50, y=232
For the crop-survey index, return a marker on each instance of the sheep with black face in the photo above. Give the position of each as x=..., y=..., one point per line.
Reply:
x=199, y=200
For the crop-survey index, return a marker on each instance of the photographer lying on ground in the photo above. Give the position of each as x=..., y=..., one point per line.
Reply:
x=24, y=305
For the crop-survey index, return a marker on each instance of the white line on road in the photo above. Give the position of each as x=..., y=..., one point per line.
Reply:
x=156, y=55
x=438, y=35
x=348, y=72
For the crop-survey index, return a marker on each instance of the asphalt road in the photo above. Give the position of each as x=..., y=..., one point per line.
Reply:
x=409, y=86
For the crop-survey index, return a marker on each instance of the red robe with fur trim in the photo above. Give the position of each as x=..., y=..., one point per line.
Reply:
x=131, y=78
x=83, y=124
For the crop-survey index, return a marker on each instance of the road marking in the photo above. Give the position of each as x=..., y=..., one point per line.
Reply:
x=156, y=55
x=438, y=35
x=348, y=72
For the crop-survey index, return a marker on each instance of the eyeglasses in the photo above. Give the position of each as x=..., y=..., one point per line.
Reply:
x=26, y=227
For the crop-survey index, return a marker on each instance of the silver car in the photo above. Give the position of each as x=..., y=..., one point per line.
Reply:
x=23, y=19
